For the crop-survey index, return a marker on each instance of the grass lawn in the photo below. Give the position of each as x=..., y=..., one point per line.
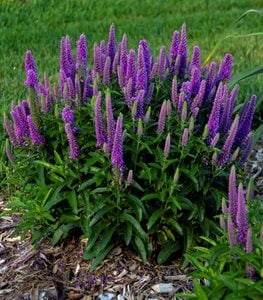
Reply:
x=39, y=24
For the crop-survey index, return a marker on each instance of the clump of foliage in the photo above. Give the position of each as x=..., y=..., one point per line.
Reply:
x=232, y=267
x=131, y=150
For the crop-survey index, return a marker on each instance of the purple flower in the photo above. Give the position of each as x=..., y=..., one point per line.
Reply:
x=131, y=67
x=121, y=77
x=247, y=148
x=62, y=79
x=31, y=79
x=111, y=46
x=185, y=137
x=214, y=118
x=110, y=122
x=64, y=62
x=99, y=127
x=241, y=219
x=226, y=150
x=225, y=68
x=115, y=62
x=246, y=121
x=177, y=65
x=129, y=92
x=106, y=71
x=69, y=54
x=73, y=144
x=197, y=101
x=98, y=67
x=167, y=146
x=147, y=116
x=36, y=137
x=162, y=118
x=154, y=71
x=174, y=45
x=140, y=103
x=162, y=62
x=146, y=55
x=215, y=140
x=184, y=112
x=182, y=50
x=88, y=89
x=149, y=93
x=82, y=54
x=231, y=232
x=30, y=62
x=195, y=61
x=174, y=92
x=103, y=47
x=68, y=117
x=181, y=101
x=211, y=78
x=71, y=88
x=117, y=149
x=123, y=56
x=141, y=80
x=10, y=131
x=232, y=195
x=9, y=153
x=195, y=81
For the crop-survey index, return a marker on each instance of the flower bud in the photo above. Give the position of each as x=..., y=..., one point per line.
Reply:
x=140, y=128
x=205, y=132
x=250, y=189
x=176, y=175
x=191, y=124
x=235, y=154
x=130, y=177
x=185, y=137
x=168, y=108
x=147, y=116
x=167, y=145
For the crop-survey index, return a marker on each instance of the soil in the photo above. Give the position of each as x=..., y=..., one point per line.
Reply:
x=61, y=272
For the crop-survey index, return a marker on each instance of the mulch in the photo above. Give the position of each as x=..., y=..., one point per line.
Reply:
x=46, y=272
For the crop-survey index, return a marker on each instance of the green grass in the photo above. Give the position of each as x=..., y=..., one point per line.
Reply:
x=39, y=24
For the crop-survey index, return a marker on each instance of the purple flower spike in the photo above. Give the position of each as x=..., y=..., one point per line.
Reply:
x=154, y=71
x=226, y=150
x=185, y=137
x=211, y=78
x=106, y=71
x=36, y=137
x=70, y=57
x=214, y=118
x=162, y=118
x=10, y=131
x=231, y=232
x=129, y=92
x=73, y=144
x=123, y=55
x=110, y=122
x=64, y=62
x=174, y=45
x=232, y=195
x=248, y=146
x=115, y=62
x=167, y=146
x=30, y=62
x=162, y=62
x=9, y=153
x=99, y=127
x=147, y=116
x=103, y=47
x=174, y=92
x=131, y=67
x=68, y=117
x=31, y=79
x=150, y=93
x=225, y=68
x=242, y=221
x=182, y=50
x=71, y=89
x=141, y=80
x=140, y=103
x=249, y=242
x=117, y=149
x=121, y=77
x=111, y=46
x=147, y=56
x=195, y=81
x=177, y=65
x=246, y=121
x=88, y=89
x=82, y=54
x=195, y=61
x=215, y=140
x=197, y=101
x=181, y=102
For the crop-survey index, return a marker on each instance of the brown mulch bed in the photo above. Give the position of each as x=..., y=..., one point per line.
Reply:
x=61, y=272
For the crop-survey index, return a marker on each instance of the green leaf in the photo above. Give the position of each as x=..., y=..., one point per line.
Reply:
x=190, y=175
x=175, y=225
x=106, y=238
x=154, y=218
x=99, y=215
x=46, y=197
x=195, y=263
x=55, y=198
x=141, y=248
x=150, y=197
x=247, y=73
x=58, y=158
x=167, y=250
x=87, y=183
x=100, y=190
x=57, y=169
x=258, y=134
x=127, y=234
x=135, y=224
x=100, y=257
x=95, y=234
x=137, y=186
x=62, y=231
x=73, y=201
x=69, y=218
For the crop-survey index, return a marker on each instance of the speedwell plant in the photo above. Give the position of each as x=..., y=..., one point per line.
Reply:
x=132, y=150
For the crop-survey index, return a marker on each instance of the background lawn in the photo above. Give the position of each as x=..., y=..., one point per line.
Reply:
x=39, y=24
